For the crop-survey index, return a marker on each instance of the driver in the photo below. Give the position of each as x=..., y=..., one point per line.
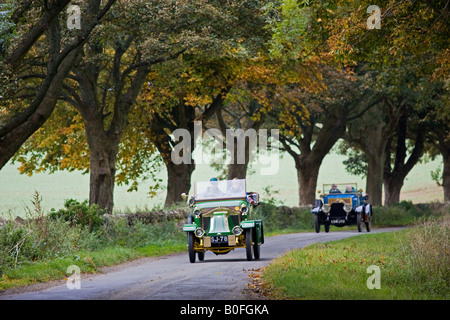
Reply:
x=334, y=189
x=213, y=188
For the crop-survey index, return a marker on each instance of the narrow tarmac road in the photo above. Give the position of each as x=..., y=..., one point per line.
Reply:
x=173, y=277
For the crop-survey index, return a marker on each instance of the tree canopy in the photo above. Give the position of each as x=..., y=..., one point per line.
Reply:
x=106, y=97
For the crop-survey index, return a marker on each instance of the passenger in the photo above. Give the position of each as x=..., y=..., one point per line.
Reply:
x=334, y=189
x=350, y=189
x=235, y=188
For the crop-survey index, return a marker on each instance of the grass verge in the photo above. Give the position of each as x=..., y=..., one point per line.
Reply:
x=87, y=261
x=42, y=247
x=413, y=264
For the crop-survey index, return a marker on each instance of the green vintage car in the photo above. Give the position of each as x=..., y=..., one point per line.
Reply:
x=221, y=219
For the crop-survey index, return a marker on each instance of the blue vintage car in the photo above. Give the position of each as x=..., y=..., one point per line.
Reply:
x=342, y=205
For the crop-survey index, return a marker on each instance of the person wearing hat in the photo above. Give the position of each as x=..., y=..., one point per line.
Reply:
x=213, y=189
x=334, y=189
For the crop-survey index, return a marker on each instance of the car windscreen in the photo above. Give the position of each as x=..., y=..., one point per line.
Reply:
x=340, y=188
x=224, y=189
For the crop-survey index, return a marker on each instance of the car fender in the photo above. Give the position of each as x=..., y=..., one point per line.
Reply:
x=316, y=210
x=189, y=227
x=248, y=224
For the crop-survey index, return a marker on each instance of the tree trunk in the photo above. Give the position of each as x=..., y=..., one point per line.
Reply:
x=446, y=176
x=394, y=178
x=374, y=146
x=374, y=182
x=235, y=169
x=102, y=177
x=178, y=181
x=392, y=188
x=307, y=175
x=238, y=171
x=103, y=148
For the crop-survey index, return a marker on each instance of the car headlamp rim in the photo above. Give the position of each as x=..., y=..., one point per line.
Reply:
x=347, y=207
x=199, y=232
x=326, y=208
x=237, y=230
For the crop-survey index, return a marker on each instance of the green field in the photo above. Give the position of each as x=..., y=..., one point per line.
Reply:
x=17, y=190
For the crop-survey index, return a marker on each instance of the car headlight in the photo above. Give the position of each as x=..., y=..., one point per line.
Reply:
x=237, y=231
x=326, y=208
x=197, y=213
x=244, y=209
x=199, y=232
x=347, y=207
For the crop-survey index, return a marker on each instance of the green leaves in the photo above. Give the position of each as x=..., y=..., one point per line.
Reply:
x=288, y=27
x=6, y=25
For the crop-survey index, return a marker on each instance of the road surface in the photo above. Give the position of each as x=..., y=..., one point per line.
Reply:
x=173, y=277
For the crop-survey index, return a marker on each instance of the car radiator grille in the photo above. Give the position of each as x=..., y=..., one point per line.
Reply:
x=337, y=210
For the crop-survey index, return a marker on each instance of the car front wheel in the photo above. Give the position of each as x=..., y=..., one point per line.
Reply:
x=248, y=244
x=367, y=219
x=358, y=221
x=190, y=236
x=201, y=256
x=316, y=223
x=256, y=249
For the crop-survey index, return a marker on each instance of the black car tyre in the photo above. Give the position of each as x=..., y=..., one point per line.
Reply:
x=368, y=222
x=190, y=236
x=358, y=221
x=256, y=248
x=367, y=226
x=327, y=226
x=248, y=243
x=201, y=256
x=316, y=223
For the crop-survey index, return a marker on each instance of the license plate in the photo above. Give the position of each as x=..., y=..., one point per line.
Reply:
x=338, y=221
x=219, y=239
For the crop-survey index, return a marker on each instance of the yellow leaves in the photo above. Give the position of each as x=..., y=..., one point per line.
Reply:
x=257, y=284
x=194, y=100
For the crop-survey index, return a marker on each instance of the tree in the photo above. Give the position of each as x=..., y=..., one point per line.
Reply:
x=408, y=140
x=371, y=135
x=194, y=87
x=413, y=37
x=183, y=91
x=309, y=136
x=242, y=114
x=105, y=83
x=34, y=64
x=414, y=128
x=60, y=144
x=440, y=137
